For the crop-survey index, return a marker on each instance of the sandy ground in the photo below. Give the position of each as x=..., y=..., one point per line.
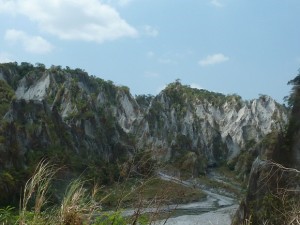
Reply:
x=221, y=208
x=219, y=217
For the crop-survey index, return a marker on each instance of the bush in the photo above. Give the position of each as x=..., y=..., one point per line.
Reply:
x=7, y=216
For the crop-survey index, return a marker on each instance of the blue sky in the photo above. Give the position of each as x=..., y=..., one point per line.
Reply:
x=248, y=47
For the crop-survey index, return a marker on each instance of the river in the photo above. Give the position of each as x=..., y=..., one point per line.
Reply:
x=215, y=209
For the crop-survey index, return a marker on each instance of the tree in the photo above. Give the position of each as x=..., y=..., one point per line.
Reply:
x=292, y=99
x=292, y=136
x=40, y=66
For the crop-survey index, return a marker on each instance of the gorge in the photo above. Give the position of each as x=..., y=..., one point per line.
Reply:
x=93, y=126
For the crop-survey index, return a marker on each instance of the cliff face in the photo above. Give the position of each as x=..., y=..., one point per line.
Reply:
x=63, y=115
x=212, y=125
x=74, y=118
x=273, y=189
x=272, y=197
x=65, y=108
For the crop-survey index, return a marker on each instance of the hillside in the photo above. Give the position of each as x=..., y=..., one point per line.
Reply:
x=93, y=126
x=273, y=188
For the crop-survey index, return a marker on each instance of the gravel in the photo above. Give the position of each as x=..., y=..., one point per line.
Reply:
x=218, y=217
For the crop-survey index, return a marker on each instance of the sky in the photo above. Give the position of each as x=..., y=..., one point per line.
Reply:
x=245, y=47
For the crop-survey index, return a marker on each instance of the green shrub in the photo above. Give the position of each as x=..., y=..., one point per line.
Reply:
x=114, y=218
x=8, y=216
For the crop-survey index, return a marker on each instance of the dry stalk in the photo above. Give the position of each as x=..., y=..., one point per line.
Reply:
x=37, y=187
x=78, y=206
x=290, y=206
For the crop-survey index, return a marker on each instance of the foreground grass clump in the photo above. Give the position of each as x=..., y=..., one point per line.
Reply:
x=8, y=215
x=35, y=190
x=80, y=206
x=275, y=199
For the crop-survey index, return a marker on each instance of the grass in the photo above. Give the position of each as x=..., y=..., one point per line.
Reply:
x=77, y=207
x=80, y=206
x=229, y=182
x=35, y=189
x=171, y=193
x=225, y=171
x=209, y=183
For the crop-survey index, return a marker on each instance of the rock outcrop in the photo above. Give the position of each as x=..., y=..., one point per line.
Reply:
x=274, y=183
x=68, y=115
x=272, y=195
x=212, y=125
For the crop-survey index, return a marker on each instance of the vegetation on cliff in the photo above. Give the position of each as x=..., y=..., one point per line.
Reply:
x=87, y=138
x=273, y=191
x=95, y=129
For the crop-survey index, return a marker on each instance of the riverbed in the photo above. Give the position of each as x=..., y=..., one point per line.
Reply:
x=220, y=216
x=215, y=209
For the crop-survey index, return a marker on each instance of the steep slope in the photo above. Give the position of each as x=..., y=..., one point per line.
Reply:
x=215, y=127
x=92, y=125
x=77, y=121
x=273, y=189
x=83, y=113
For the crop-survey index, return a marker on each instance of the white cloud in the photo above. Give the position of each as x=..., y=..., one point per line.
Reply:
x=88, y=20
x=216, y=3
x=5, y=57
x=32, y=44
x=121, y=3
x=124, y=2
x=194, y=85
x=213, y=59
x=150, y=31
x=6, y=6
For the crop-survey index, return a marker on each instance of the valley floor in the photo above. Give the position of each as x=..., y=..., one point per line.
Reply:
x=220, y=207
x=221, y=216
x=217, y=208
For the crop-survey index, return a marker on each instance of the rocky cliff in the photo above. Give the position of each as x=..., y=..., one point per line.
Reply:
x=87, y=123
x=64, y=115
x=181, y=120
x=273, y=188
x=65, y=108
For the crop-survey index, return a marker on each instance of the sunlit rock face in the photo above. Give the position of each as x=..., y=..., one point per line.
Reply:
x=88, y=114
x=214, y=125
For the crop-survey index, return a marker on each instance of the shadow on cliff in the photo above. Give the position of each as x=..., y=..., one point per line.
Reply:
x=273, y=189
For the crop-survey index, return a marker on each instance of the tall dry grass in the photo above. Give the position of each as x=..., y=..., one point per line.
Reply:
x=282, y=195
x=35, y=190
x=78, y=206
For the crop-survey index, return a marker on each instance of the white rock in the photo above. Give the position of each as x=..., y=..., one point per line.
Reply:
x=37, y=91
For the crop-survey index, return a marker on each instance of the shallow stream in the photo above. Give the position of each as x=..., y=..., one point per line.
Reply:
x=215, y=209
